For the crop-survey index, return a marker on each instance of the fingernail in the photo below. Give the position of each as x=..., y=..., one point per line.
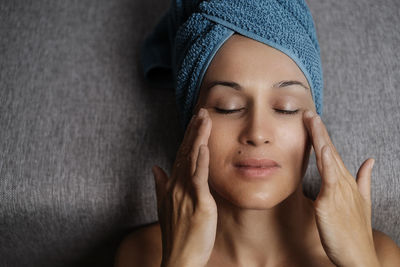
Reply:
x=372, y=164
x=309, y=114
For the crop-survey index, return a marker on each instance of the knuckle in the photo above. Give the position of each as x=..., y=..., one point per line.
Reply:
x=196, y=182
x=192, y=156
x=205, y=208
x=176, y=194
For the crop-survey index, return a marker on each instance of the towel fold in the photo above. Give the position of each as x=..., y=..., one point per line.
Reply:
x=177, y=53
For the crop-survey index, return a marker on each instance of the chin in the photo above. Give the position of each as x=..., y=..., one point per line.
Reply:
x=249, y=196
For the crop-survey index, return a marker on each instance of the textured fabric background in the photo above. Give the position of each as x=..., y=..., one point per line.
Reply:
x=80, y=130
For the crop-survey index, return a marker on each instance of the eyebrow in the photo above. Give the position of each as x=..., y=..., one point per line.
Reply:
x=238, y=87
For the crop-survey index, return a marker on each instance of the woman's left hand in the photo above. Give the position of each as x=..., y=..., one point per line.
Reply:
x=343, y=205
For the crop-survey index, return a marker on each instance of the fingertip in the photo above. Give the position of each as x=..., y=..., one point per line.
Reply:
x=372, y=163
x=308, y=114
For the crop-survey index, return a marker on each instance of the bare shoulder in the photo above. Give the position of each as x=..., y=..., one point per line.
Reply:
x=386, y=249
x=142, y=247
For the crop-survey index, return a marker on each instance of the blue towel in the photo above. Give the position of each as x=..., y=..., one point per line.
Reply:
x=177, y=53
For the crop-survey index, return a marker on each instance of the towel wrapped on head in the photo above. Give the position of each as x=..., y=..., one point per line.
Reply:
x=179, y=50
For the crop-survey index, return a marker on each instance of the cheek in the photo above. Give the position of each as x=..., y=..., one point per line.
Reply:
x=292, y=142
x=219, y=143
x=223, y=147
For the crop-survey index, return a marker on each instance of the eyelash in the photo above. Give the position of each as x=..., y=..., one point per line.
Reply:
x=229, y=111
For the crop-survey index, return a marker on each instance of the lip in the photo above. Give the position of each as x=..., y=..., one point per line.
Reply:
x=252, y=167
x=256, y=171
x=258, y=163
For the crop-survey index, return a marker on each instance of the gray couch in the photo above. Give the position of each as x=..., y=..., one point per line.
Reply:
x=80, y=129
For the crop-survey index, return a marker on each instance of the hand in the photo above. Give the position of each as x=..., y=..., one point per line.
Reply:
x=186, y=209
x=343, y=205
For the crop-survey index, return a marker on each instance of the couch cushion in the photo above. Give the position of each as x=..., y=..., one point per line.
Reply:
x=80, y=129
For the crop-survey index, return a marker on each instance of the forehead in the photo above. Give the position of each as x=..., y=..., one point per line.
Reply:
x=242, y=58
x=251, y=64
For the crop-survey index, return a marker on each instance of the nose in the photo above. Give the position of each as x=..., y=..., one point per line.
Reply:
x=258, y=129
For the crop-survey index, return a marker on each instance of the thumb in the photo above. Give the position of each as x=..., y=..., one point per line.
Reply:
x=364, y=179
x=160, y=179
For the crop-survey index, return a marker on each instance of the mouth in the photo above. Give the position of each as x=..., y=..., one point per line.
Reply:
x=256, y=168
x=256, y=163
x=251, y=171
x=258, y=171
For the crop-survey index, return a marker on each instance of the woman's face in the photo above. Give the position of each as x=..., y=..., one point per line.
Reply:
x=257, y=128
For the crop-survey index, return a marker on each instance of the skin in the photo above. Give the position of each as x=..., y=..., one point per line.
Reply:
x=258, y=221
x=267, y=222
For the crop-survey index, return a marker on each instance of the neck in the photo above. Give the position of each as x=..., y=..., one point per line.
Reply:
x=254, y=237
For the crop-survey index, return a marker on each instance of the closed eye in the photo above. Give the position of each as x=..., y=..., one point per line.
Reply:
x=229, y=111
x=289, y=112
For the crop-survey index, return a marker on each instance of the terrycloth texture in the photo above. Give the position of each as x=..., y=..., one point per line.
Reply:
x=182, y=45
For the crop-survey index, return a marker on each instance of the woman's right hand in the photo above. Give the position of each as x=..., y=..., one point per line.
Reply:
x=187, y=211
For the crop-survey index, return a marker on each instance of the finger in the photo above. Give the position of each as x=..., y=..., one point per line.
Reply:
x=185, y=147
x=189, y=128
x=329, y=174
x=202, y=137
x=160, y=179
x=320, y=137
x=198, y=135
x=200, y=177
x=309, y=122
x=364, y=179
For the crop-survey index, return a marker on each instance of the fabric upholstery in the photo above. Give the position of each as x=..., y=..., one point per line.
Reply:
x=80, y=129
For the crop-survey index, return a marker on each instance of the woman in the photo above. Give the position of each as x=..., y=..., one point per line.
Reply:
x=234, y=197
